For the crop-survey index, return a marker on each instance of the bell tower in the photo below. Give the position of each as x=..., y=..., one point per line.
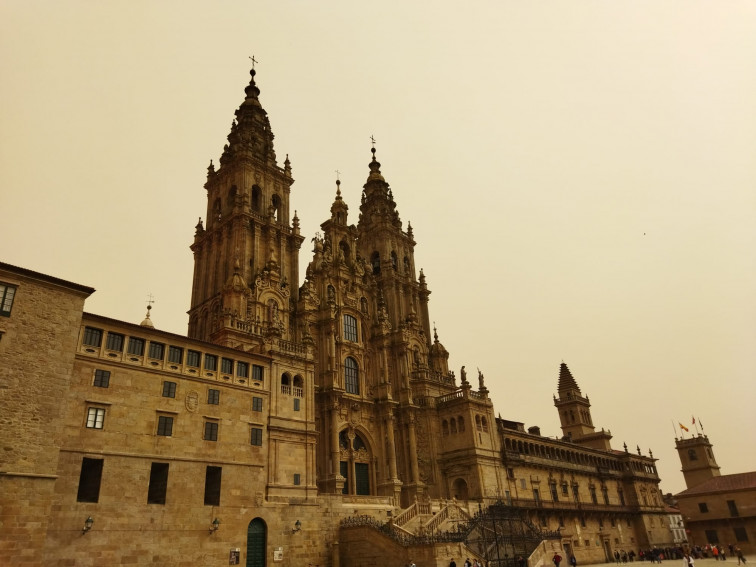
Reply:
x=697, y=460
x=575, y=413
x=246, y=253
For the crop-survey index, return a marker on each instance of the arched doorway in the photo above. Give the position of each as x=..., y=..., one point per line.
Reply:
x=256, y=543
x=459, y=489
x=355, y=463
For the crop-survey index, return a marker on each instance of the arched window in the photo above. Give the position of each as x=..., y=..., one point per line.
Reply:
x=351, y=376
x=256, y=198
x=344, y=247
x=286, y=383
x=276, y=202
x=394, y=261
x=453, y=425
x=375, y=261
x=298, y=386
x=484, y=423
x=350, y=328
x=460, y=424
x=217, y=210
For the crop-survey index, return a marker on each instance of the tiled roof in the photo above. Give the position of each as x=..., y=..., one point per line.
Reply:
x=724, y=483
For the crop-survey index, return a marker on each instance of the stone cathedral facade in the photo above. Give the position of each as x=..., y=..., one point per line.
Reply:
x=293, y=404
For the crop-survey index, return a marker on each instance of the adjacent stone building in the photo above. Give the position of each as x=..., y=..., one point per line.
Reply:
x=289, y=408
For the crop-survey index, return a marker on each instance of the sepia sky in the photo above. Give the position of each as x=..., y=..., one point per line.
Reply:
x=580, y=177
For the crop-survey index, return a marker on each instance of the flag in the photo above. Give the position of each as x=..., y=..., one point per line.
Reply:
x=694, y=420
x=683, y=427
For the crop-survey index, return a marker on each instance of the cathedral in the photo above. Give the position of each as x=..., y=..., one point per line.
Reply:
x=303, y=419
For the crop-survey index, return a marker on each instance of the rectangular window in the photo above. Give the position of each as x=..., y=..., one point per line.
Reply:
x=165, y=426
x=211, y=362
x=102, y=378
x=114, y=342
x=213, y=397
x=576, y=493
x=256, y=436
x=257, y=372
x=296, y=404
x=741, y=534
x=561, y=521
x=507, y=498
x=242, y=369
x=157, y=351
x=95, y=418
x=136, y=346
x=211, y=431
x=711, y=536
x=621, y=495
x=192, y=358
x=89, y=480
x=212, y=486
x=732, y=508
x=92, y=337
x=297, y=479
x=592, y=490
x=523, y=484
x=565, y=490
x=227, y=366
x=554, y=494
x=158, y=486
x=537, y=496
x=702, y=507
x=169, y=389
x=175, y=354
x=256, y=404
x=605, y=492
x=350, y=328
x=7, y=293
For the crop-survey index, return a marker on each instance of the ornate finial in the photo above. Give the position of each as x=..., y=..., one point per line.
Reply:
x=253, y=61
x=625, y=446
x=372, y=141
x=210, y=168
x=637, y=447
x=150, y=301
x=338, y=185
x=409, y=230
x=435, y=333
x=650, y=453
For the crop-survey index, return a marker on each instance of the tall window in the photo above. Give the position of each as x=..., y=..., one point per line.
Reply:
x=554, y=494
x=257, y=404
x=351, y=376
x=158, y=486
x=156, y=350
x=114, y=342
x=211, y=362
x=102, y=378
x=193, y=358
x=7, y=293
x=227, y=366
x=350, y=328
x=136, y=346
x=211, y=431
x=95, y=418
x=92, y=337
x=592, y=490
x=256, y=436
x=257, y=372
x=212, y=486
x=213, y=396
x=165, y=426
x=175, y=354
x=89, y=480
x=242, y=369
x=169, y=389
x=733, y=508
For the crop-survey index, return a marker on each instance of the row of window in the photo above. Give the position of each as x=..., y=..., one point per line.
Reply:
x=565, y=490
x=455, y=425
x=90, y=481
x=7, y=293
x=96, y=420
x=740, y=533
x=157, y=351
x=731, y=506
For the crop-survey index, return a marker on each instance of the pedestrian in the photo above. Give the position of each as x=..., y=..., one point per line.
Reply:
x=557, y=559
x=573, y=561
x=521, y=561
x=739, y=554
x=468, y=563
x=687, y=560
x=452, y=563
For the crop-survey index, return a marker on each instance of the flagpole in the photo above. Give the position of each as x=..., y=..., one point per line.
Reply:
x=674, y=428
x=695, y=424
x=699, y=421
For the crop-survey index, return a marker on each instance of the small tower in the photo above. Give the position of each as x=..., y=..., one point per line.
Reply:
x=697, y=460
x=575, y=413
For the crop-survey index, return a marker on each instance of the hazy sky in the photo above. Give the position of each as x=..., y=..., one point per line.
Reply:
x=580, y=177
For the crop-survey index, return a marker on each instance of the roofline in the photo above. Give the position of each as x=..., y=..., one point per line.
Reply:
x=83, y=289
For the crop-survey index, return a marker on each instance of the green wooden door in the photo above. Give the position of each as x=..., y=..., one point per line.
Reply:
x=256, y=535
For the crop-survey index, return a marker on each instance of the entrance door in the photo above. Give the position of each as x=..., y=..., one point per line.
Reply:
x=256, y=536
